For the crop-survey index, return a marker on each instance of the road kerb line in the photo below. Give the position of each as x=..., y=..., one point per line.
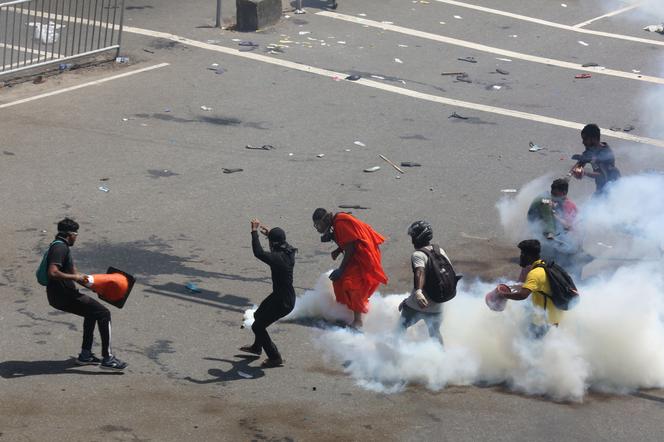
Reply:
x=542, y=22
x=80, y=86
x=610, y=14
x=491, y=49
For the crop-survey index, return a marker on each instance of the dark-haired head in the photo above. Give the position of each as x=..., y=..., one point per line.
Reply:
x=277, y=238
x=530, y=252
x=590, y=135
x=68, y=230
x=559, y=187
x=322, y=220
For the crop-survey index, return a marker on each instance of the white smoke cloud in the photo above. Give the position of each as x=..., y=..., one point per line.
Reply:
x=610, y=342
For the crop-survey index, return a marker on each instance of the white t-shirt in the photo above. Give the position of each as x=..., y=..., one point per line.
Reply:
x=420, y=259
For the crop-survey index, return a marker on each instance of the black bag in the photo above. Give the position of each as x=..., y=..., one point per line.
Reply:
x=440, y=280
x=563, y=291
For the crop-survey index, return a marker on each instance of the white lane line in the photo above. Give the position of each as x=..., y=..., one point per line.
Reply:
x=80, y=86
x=610, y=14
x=551, y=24
x=30, y=50
x=389, y=88
x=491, y=49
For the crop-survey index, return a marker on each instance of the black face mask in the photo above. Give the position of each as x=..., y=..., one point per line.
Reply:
x=327, y=236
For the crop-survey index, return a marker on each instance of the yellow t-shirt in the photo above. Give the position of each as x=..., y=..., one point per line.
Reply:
x=538, y=284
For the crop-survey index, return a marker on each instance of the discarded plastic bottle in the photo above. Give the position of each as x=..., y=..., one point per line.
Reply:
x=65, y=66
x=122, y=59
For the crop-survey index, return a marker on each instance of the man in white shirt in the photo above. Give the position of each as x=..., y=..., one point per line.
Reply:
x=418, y=306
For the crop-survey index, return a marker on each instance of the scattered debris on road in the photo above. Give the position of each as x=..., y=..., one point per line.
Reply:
x=192, y=287
x=410, y=164
x=455, y=115
x=388, y=161
x=581, y=76
x=502, y=71
x=509, y=190
x=534, y=147
x=454, y=73
x=206, y=108
x=467, y=59
x=104, y=189
x=225, y=170
x=263, y=147
x=655, y=28
x=372, y=169
x=359, y=143
x=349, y=206
x=353, y=77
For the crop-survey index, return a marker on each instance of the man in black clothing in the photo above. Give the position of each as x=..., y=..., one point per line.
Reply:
x=63, y=295
x=281, y=259
x=600, y=157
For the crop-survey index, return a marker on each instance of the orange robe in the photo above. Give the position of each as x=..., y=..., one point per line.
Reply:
x=364, y=272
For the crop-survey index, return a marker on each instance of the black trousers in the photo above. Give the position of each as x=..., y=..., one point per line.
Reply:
x=273, y=308
x=433, y=321
x=93, y=313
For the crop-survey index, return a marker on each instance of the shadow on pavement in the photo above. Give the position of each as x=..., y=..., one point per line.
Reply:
x=233, y=374
x=210, y=298
x=20, y=369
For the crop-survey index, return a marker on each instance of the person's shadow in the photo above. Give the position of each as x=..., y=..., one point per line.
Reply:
x=20, y=369
x=239, y=371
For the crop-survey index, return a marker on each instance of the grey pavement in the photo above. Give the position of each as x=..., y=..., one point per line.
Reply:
x=171, y=216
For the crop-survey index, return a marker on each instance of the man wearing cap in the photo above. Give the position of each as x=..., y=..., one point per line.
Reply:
x=536, y=286
x=418, y=306
x=63, y=295
x=281, y=259
x=361, y=271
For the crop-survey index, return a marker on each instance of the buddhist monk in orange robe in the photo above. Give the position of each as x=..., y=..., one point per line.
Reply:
x=361, y=271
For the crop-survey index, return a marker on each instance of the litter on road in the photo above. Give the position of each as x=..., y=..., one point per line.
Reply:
x=397, y=60
x=583, y=43
x=509, y=190
x=192, y=287
x=455, y=115
x=502, y=71
x=534, y=147
x=104, y=189
x=241, y=373
x=263, y=147
x=320, y=155
x=359, y=143
x=454, y=73
x=349, y=206
x=372, y=169
x=387, y=160
x=467, y=59
x=225, y=170
x=353, y=77
x=410, y=164
x=655, y=28
x=583, y=76
x=463, y=78
x=206, y=108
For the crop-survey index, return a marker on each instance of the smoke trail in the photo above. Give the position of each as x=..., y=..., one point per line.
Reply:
x=610, y=342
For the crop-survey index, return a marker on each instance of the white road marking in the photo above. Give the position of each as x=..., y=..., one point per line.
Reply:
x=364, y=82
x=492, y=50
x=389, y=88
x=30, y=50
x=610, y=14
x=551, y=24
x=80, y=86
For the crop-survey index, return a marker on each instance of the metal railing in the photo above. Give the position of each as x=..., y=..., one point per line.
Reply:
x=37, y=33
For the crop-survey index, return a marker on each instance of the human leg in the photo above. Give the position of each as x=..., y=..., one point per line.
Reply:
x=433, y=322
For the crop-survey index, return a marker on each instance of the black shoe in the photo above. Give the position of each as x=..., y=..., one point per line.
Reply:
x=272, y=363
x=89, y=359
x=251, y=349
x=113, y=363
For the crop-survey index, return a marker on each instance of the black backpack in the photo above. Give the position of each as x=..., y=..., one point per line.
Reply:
x=440, y=280
x=563, y=291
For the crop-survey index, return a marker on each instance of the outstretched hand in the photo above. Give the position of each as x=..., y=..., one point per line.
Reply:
x=255, y=224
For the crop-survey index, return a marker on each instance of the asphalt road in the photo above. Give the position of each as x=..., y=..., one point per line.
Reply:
x=171, y=216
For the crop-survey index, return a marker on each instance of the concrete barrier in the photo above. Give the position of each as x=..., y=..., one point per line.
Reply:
x=257, y=14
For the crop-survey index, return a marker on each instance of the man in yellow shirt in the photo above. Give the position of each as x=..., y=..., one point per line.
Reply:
x=536, y=286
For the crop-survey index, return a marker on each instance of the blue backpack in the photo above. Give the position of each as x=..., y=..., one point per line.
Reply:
x=42, y=270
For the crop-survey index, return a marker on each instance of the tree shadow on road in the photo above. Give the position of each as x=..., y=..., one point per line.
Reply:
x=240, y=371
x=20, y=369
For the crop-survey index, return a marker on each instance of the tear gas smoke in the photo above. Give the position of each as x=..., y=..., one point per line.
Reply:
x=610, y=342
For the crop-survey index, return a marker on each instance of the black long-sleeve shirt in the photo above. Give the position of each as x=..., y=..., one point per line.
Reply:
x=281, y=265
